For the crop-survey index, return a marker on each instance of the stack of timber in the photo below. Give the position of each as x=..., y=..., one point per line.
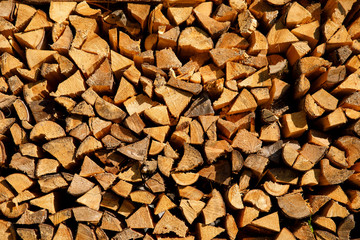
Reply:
x=222, y=119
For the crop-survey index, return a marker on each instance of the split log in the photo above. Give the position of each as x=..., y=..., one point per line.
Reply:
x=294, y=206
x=258, y=199
x=214, y=208
x=169, y=223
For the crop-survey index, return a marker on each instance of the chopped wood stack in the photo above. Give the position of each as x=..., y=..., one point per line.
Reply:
x=223, y=119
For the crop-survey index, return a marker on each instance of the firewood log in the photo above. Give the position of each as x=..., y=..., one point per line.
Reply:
x=179, y=119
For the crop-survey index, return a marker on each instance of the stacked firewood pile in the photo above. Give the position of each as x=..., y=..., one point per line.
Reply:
x=193, y=119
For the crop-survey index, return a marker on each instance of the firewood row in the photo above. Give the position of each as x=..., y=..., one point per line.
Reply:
x=222, y=119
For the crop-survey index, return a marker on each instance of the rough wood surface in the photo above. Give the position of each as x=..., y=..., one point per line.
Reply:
x=149, y=119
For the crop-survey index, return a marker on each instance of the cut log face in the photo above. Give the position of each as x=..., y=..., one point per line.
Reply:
x=247, y=215
x=211, y=172
x=140, y=219
x=207, y=232
x=191, y=209
x=245, y=102
x=259, y=199
x=268, y=223
x=294, y=125
x=48, y=130
x=60, y=11
x=190, y=160
x=246, y=142
x=256, y=163
x=169, y=223
x=279, y=38
x=194, y=40
x=163, y=204
x=294, y=206
x=331, y=175
x=185, y=179
x=63, y=150
x=214, y=208
x=276, y=189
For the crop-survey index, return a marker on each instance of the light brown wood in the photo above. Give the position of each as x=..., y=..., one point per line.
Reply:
x=79, y=186
x=346, y=226
x=302, y=85
x=326, y=223
x=309, y=32
x=332, y=175
x=294, y=124
x=303, y=230
x=280, y=38
x=119, y=63
x=33, y=39
x=269, y=222
x=92, y=198
x=172, y=96
x=258, y=199
x=311, y=107
x=60, y=11
x=207, y=232
x=210, y=172
x=46, y=231
x=262, y=95
x=30, y=217
x=334, y=209
x=47, y=202
x=260, y=78
x=191, y=209
x=185, y=179
x=214, y=208
x=39, y=20
x=285, y=234
x=194, y=40
x=84, y=214
x=256, y=163
x=52, y=182
x=110, y=222
x=276, y=189
x=296, y=51
x=216, y=149
x=163, y=204
x=142, y=196
x=170, y=223
x=216, y=29
x=336, y=193
x=26, y=233
x=62, y=149
x=178, y=15
x=90, y=144
x=246, y=142
x=297, y=15
x=311, y=177
x=190, y=192
x=9, y=64
x=236, y=70
x=247, y=215
x=140, y=219
x=123, y=121
x=333, y=120
x=137, y=150
x=308, y=156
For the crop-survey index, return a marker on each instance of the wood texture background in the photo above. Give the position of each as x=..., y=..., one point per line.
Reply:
x=94, y=1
